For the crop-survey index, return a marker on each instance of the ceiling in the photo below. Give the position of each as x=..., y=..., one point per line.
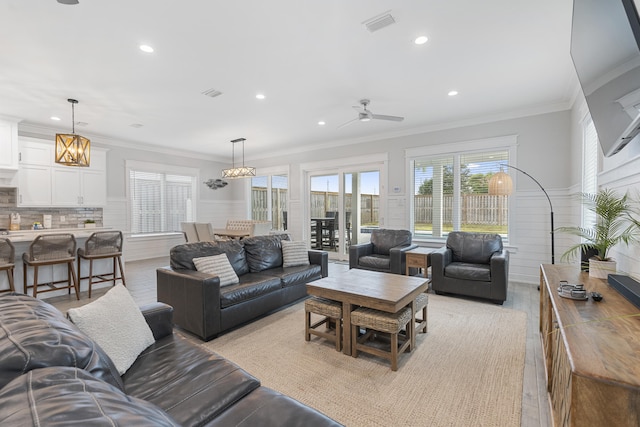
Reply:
x=313, y=60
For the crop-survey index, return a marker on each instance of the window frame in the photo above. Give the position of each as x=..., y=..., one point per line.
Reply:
x=506, y=143
x=164, y=169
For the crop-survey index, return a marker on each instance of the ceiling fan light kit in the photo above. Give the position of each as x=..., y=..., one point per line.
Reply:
x=366, y=115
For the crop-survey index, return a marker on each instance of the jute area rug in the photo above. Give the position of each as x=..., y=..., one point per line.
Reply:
x=466, y=371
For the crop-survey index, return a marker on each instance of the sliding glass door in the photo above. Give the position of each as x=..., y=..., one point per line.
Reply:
x=344, y=208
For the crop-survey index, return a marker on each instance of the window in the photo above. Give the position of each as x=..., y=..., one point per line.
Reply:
x=160, y=201
x=589, y=167
x=451, y=191
x=269, y=199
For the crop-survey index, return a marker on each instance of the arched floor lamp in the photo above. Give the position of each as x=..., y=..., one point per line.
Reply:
x=501, y=184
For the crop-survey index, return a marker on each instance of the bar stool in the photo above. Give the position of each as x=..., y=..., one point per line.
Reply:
x=102, y=245
x=332, y=312
x=7, y=255
x=51, y=249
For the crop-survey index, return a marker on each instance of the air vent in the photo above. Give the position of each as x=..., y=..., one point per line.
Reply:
x=212, y=93
x=379, y=22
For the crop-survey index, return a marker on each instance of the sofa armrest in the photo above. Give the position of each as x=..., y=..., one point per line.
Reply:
x=398, y=258
x=440, y=258
x=159, y=317
x=499, y=265
x=195, y=298
x=358, y=251
x=320, y=258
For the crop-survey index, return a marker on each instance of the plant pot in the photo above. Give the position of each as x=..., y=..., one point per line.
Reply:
x=89, y=225
x=601, y=269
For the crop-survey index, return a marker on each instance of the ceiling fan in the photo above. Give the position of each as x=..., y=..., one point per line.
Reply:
x=365, y=115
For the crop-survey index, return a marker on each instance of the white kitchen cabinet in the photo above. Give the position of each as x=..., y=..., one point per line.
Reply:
x=43, y=183
x=34, y=183
x=8, y=145
x=79, y=186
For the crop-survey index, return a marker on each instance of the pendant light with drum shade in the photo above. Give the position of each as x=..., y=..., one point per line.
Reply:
x=72, y=149
x=241, y=171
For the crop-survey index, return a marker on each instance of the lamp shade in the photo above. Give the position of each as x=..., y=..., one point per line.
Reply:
x=72, y=150
x=239, y=172
x=500, y=184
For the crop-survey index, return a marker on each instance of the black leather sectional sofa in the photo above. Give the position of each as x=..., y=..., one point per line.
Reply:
x=205, y=309
x=52, y=374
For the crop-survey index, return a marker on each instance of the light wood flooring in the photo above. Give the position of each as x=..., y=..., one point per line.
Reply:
x=141, y=282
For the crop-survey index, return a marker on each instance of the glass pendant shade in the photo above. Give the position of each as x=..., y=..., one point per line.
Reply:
x=500, y=184
x=240, y=171
x=72, y=149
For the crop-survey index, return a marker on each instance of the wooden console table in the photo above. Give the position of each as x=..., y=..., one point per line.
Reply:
x=591, y=351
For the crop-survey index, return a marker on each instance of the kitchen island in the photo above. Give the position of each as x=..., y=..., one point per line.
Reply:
x=21, y=239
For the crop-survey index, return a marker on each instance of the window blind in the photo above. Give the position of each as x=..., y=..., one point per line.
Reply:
x=159, y=201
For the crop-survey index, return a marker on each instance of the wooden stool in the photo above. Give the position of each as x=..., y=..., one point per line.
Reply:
x=7, y=256
x=379, y=321
x=421, y=305
x=332, y=311
x=51, y=249
x=102, y=245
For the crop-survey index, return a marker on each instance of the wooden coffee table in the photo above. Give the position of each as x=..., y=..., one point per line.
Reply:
x=363, y=288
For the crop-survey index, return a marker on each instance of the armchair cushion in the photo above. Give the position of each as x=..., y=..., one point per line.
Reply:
x=466, y=271
x=474, y=248
x=375, y=261
x=384, y=240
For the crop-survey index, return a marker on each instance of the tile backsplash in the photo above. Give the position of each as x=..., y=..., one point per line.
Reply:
x=72, y=216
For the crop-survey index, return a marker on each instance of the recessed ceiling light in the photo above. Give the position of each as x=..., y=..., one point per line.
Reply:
x=421, y=40
x=260, y=96
x=57, y=119
x=322, y=123
x=146, y=48
x=452, y=93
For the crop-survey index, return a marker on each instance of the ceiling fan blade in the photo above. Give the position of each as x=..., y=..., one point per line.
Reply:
x=383, y=117
x=347, y=123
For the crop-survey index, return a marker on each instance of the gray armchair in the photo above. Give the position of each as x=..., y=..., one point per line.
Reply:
x=385, y=252
x=471, y=264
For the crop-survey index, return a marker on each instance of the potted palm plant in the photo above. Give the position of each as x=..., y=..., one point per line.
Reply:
x=613, y=225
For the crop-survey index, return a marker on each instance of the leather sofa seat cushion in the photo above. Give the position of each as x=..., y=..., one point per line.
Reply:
x=252, y=285
x=67, y=396
x=377, y=262
x=292, y=276
x=467, y=271
x=181, y=256
x=384, y=240
x=475, y=248
x=35, y=335
x=265, y=407
x=264, y=252
x=190, y=383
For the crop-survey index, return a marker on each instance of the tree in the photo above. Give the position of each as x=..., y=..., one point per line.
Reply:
x=447, y=181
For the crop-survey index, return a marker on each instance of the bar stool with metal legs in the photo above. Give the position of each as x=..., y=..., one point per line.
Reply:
x=7, y=255
x=51, y=249
x=102, y=245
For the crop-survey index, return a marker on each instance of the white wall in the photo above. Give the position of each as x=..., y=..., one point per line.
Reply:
x=544, y=151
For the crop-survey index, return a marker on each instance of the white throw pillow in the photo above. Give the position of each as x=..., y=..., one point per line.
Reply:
x=116, y=323
x=294, y=253
x=217, y=265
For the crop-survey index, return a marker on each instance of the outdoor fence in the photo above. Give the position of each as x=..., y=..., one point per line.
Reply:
x=479, y=209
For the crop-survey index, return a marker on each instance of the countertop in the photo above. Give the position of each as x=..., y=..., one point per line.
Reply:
x=28, y=235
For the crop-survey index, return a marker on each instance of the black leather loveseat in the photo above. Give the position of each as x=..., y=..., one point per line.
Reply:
x=52, y=374
x=204, y=308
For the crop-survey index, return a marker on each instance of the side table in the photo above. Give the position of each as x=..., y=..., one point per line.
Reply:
x=419, y=258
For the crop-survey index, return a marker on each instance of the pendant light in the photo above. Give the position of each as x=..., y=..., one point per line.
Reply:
x=238, y=172
x=72, y=149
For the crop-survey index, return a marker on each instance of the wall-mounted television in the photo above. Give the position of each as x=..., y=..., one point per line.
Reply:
x=605, y=49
